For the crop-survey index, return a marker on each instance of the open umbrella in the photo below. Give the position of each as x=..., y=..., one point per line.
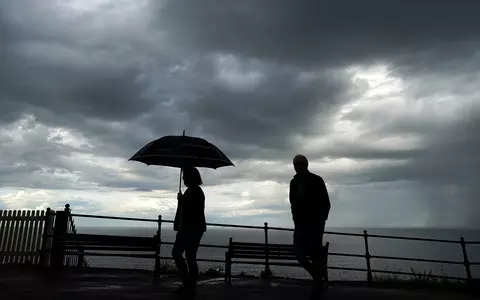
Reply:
x=180, y=152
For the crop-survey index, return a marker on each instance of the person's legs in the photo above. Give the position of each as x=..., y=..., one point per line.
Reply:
x=177, y=254
x=317, y=251
x=191, y=256
x=300, y=242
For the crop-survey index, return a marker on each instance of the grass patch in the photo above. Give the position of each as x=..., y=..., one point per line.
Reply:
x=168, y=268
x=212, y=273
x=418, y=279
x=266, y=274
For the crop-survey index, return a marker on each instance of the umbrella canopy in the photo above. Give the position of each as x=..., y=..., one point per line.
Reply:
x=182, y=151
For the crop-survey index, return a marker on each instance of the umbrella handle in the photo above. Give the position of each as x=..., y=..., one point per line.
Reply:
x=180, y=181
x=181, y=170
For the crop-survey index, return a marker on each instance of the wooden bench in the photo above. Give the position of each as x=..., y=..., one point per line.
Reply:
x=103, y=245
x=262, y=254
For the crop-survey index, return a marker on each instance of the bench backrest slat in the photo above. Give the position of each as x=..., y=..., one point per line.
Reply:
x=90, y=240
x=108, y=248
x=259, y=251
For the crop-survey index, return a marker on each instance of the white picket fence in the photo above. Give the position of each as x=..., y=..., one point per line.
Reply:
x=21, y=234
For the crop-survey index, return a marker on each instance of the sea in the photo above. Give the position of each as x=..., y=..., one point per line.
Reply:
x=338, y=244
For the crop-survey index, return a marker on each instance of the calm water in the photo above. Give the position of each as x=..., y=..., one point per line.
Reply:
x=338, y=244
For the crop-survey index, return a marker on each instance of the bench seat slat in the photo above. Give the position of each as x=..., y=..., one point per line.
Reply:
x=262, y=257
x=263, y=249
x=105, y=238
x=241, y=251
x=109, y=248
x=119, y=255
x=107, y=243
x=257, y=245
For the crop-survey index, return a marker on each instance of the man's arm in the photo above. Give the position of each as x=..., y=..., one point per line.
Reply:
x=324, y=199
x=293, y=201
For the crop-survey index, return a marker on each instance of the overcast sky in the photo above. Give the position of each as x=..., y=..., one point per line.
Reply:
x=381, y=96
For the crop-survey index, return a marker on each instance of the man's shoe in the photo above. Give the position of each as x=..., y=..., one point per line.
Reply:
x=186, y=289
x=317, y=288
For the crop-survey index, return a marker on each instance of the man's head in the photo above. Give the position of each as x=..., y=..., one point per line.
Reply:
x=300, y=163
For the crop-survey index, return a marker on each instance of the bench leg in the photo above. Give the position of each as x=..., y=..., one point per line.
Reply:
x=228, y=262
x=228, y=269
x=229, y=272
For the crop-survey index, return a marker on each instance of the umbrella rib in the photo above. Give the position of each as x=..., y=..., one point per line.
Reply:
x=181, y=156
x=195, y=146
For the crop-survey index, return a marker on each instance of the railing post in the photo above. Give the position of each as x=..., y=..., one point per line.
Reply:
x=58, y=251
x=81, y=260
x=44, y=252
x=367, y=257
x=466, y=262
x=158, y=246
x=228, y=262
x=267, y=263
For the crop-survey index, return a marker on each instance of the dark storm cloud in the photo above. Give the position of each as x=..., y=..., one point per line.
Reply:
x=452, y=158
x=447, y=173
x=71, y=89
x=57, y=63
x=112, y=90
x=89, y=81
x=120, y=89
x=322, y=32
x=280, y=106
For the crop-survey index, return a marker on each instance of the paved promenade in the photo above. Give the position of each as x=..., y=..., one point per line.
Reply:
x=34, y=285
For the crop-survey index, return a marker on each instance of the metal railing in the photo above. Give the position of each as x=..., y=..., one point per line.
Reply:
x=73, y=257
x=366, y=237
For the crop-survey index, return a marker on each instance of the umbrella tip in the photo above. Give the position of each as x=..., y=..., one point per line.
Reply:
x=184, y=132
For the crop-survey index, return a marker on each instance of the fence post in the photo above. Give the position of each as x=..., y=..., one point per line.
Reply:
x=267, y=264
x=158, y=245
x=45, y=236
x=58, y=251
x=367, y=257
x=466, y=263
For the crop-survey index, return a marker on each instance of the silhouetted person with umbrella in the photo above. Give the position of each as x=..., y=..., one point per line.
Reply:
x=190, y=225
x=310, y=206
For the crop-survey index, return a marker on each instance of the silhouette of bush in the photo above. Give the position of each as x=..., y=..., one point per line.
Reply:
x=212, y=273
x=266, y=274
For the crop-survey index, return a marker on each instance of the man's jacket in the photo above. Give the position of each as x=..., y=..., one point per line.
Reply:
x=309, y=199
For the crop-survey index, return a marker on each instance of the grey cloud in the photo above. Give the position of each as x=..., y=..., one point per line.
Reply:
x=268, y=115
x=449, y=156
x=327, y=33
x=447, y=172
x=56, y=64
x=121, y=89
x=71, y=90
x=34, y=160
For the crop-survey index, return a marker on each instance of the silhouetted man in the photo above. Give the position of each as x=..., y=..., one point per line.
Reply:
x=310, y=207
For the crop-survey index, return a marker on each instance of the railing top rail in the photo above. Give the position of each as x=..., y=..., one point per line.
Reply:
x=451, y=262
x=114, y=218
x=163, y=221
x=236, y=226
x=412, y=238
x=282, y=229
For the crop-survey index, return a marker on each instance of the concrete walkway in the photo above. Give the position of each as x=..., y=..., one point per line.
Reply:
x=16, y=284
